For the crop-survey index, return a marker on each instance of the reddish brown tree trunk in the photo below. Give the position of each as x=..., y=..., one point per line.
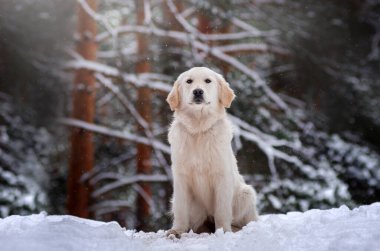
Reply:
x=225, y=29
x=205, y=26
x=172, y=23
x=83, y=95
x=144, y=152
x=204, y=23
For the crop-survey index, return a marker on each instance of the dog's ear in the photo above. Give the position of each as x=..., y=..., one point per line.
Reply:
x=226, y=93
x=173, y=97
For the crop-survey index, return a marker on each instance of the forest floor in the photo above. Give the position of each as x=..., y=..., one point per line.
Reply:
x=334, y=229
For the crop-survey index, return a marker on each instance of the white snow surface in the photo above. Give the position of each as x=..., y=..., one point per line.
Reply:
x=334, y=229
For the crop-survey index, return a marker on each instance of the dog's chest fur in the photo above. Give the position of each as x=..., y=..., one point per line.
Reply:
x=197, y=152
x=200, y=166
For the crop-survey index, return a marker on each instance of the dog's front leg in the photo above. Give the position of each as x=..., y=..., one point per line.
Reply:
x=180, y=208
x=223, y=204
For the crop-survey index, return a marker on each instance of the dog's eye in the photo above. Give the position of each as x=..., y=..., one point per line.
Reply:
x=189, y=81
x=208, y=81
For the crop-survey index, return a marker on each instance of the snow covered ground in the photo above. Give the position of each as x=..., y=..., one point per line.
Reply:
x=334, y=229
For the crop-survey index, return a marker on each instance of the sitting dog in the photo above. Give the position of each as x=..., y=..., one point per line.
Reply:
x=207, y=183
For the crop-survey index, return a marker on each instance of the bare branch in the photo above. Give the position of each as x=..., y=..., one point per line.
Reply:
x=148, y=199
x=96, y=16
x=123, y=100
x=188, y=27
x=93, y=174
x=128, y=181
x=252, y=48
x=115, y=133
x=92, y=66
x=140, y=120
x=151, y=80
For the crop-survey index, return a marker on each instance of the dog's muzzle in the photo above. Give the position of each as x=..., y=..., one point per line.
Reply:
x=198, y=96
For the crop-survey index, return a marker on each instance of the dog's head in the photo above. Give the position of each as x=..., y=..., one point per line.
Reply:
x=200, y=88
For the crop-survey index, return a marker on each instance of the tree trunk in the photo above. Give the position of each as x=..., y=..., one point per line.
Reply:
x=171, y=60
x=205, y=26
x=225, y=29
x=204, y=22
x=83, y=108
x=144, y=108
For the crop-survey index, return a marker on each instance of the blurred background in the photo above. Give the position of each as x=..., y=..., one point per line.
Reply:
x=83, y=117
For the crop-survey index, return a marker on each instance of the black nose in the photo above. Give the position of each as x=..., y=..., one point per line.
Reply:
x=198, y=92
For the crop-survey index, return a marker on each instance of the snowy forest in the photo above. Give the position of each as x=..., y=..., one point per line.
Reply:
x=83, y=117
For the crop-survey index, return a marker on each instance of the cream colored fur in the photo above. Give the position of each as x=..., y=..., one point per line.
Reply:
x=206, y=179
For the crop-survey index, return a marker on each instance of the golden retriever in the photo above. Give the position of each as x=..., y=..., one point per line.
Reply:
x=206, y=180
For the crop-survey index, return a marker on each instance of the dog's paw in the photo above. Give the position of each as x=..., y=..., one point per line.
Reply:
x=172, y=233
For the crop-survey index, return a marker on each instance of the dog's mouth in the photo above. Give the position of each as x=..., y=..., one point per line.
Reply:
x=199, y=102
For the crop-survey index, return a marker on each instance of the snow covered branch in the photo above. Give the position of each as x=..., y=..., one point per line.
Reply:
x=215, y=52
x=130, y=180
x=92, y=66
x=115, y=133
x=96, y=17
x=154, y=81
x=252, y=48
x=132, y=110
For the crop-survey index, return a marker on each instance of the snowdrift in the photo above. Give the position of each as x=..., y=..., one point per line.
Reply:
x=334, y=229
